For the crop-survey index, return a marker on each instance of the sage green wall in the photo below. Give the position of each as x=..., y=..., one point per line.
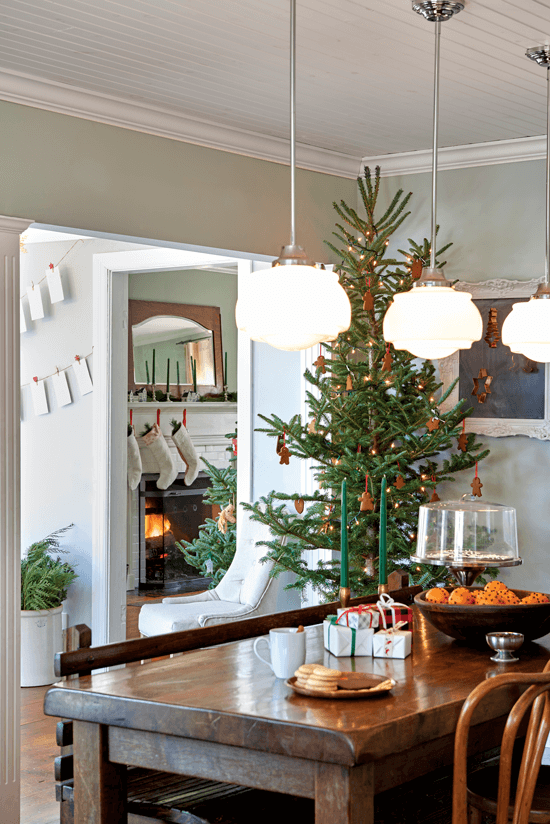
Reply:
x=495, y=216
x=196, y=287
x=67, y=171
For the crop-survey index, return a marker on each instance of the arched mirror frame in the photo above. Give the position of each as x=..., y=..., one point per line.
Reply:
x=207, y=316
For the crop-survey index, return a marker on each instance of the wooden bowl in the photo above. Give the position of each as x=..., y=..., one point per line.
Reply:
x=472, y=623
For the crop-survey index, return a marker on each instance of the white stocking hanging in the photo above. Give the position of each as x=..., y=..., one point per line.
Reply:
x=187, y=452
x=168, y=471
x=134, y=461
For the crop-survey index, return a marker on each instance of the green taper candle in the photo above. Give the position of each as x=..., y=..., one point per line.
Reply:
x=168, y=377
x=344, y=561
x=147, y=371
x=178, y=371
x=382, y=548
x=225, y=371
x=194, y=367
x=153, y=366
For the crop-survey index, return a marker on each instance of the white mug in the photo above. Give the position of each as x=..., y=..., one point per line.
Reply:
x=288, y=650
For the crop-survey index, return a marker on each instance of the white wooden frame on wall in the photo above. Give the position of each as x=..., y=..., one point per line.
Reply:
x=449, y=368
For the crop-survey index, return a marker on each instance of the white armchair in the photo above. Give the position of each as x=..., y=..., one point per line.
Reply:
x=245, y=591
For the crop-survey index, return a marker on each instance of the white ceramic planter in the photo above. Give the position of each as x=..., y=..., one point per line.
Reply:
x=41, y=638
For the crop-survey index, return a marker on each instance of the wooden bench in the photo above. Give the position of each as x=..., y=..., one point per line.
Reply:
x=156, y=796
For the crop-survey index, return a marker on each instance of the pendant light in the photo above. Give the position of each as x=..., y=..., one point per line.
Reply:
x=297, y=304
x=526, y=329
x=432, y=320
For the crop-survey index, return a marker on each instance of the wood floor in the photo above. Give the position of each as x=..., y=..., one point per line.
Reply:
x=38, y=747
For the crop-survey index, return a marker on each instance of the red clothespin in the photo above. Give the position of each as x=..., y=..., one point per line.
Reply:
x=51, y=266
x=185, y=418
x=77, y=358
x=158, y=417
x=131, y=417
x=36, y=381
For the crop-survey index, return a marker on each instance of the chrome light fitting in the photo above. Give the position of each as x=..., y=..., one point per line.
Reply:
x=316, y=308
x=526, y=329
x=433, y=320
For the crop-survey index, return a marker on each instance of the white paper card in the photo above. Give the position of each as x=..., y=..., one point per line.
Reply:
x=39, y=399
x=54, y=284
x=35, y=302
x=62, y=394
x=83, y=376
x=22, y=321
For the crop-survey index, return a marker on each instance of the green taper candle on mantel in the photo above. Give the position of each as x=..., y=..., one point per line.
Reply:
x=168, y=377
x=147, y=371
x=153, y=375
x=382, y=541
x=225, y=371
x=178, y=371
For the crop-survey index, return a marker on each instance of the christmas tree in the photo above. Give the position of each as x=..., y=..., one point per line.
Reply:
x=373, y=413
x=213, y=550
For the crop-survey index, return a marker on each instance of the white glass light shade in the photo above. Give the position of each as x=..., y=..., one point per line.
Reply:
x=526, y=330
x=432, y=322
x=292, y=307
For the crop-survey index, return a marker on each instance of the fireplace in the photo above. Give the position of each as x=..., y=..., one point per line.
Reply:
x=167, y=516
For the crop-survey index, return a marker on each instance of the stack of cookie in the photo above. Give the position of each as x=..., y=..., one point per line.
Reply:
x=317, y=678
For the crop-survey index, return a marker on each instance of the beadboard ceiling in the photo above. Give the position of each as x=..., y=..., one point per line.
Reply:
x=221, y=68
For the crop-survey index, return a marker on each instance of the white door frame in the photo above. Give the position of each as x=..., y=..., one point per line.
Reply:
x=110, y=340
x=10, y=518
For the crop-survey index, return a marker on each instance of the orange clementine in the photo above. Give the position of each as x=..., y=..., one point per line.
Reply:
x=437, y=595
x=461, y=595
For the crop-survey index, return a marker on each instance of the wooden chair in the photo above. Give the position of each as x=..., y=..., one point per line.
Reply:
x=517, y=789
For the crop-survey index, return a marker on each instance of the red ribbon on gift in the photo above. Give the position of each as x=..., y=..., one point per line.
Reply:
x=362, y=609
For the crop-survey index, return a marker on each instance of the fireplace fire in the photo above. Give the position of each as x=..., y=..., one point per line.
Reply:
x=168, y=516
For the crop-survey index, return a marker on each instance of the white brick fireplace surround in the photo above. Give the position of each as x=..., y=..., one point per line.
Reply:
x=207, y=424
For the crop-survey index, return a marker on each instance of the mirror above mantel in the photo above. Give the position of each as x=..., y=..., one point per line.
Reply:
x=173, y=336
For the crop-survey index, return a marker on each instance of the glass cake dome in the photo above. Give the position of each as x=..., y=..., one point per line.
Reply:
x=467, y=533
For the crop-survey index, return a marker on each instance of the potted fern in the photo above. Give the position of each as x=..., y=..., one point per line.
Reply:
x=45, y=579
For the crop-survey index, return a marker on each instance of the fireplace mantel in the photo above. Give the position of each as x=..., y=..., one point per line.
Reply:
x=207, y=423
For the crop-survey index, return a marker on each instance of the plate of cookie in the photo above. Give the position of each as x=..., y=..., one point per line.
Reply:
x=318, y=681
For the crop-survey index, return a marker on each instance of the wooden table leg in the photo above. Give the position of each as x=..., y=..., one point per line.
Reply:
x=99, y=785
x=344, y=795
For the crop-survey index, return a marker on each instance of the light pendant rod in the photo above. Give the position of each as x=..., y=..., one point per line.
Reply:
x=547, y=254
x=292, y=122
x=541, y=55
x=436, y=11
x=435, y=141
x=293, y=254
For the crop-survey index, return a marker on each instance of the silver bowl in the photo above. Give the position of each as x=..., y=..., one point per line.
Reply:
x=504, y=644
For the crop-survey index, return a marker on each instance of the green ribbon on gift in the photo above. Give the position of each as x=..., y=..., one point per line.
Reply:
x=333, y=621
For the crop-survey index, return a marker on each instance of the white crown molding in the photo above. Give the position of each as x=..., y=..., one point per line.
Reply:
x=460, y=157
x=14, y=225
x=56, y=97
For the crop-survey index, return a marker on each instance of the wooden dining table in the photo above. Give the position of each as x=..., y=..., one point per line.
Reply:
x=219, y=713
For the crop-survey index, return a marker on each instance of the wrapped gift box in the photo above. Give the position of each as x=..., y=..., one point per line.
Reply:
x=392, y=643
x=343, y=641
x=393, y=613
x=361, y=617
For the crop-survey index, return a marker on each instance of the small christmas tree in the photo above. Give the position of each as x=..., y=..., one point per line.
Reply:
x=373, y=413
x=213, y=550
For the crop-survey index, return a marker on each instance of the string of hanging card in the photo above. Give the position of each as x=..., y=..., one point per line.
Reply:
x=34, y=293
x=60, y=385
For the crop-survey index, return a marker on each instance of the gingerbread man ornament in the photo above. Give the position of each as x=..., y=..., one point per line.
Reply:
x=476, y=487
x=366, y=502
x=284, y=455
